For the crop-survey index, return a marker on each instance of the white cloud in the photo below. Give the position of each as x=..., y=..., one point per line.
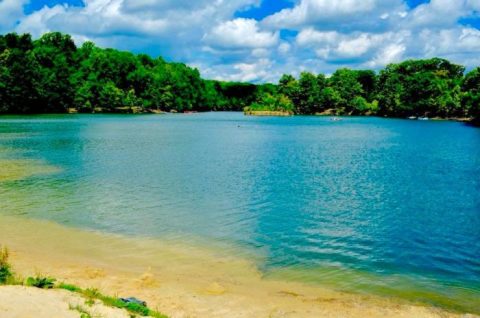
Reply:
x=316, y=10
x=335, y=46
x=339, y=14
x=173, y=28
x=437, y=13
x=259, y=53
x=310, y=36
x=389, y=54
x=241, y=33
x=168, y=19
x=355, y=47
x=429, y=30
x=96, y=19
x=313, y=35
x=460, y=44
x=253, y=71
x=11, y=11
x=284, y=48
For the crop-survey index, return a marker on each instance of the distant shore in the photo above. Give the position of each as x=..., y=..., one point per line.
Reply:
x=266, y=113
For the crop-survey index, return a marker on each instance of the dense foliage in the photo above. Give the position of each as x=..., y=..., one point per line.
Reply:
x=471, y=94
x=52, y=74
x=433, y=87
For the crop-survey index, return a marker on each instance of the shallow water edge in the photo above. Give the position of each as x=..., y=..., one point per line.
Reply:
x=183, y=279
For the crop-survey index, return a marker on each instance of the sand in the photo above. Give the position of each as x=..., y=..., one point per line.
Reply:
x=11, y=170
x=28, y=302
x=177, y=279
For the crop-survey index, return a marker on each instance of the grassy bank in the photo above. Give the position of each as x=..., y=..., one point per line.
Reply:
x=91, y=295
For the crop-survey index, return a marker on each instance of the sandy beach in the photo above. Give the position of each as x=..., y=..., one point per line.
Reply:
x=175, y=279
x=26, y=302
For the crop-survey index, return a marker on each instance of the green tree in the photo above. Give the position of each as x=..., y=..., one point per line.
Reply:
x=345, y=83
x=421, y=87
x=19, y=76
x=309, y=94
x=111, y=97
x=471, y=94
x=332, y=100
x=274, y=103
x=368, y=81
x=55, y=53
x=51, y=75
x=289, y=87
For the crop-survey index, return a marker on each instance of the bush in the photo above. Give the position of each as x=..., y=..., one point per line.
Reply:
x=41, y=282
x=269, y=102
x=5, y=269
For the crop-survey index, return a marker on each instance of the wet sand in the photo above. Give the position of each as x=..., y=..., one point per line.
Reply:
x=12, y=170
x=181, y=280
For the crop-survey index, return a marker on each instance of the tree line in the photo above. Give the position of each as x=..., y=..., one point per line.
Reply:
x=53, y=75
x=432, y=87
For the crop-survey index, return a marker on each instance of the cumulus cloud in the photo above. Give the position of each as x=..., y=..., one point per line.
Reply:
x=438, y=13
x=314, y=35
x=284, y=48
x=386, y=55
x=241, y=33
x=11, y=11
x=439, y=42
x=171, y=20
x=358, y=46
x=339, y=14
x=431, y=29
x=251, y=71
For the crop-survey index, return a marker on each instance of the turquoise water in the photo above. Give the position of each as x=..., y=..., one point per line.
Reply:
x=366, y=204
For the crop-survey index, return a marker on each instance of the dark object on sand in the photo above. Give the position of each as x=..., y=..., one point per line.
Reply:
x=133, y=300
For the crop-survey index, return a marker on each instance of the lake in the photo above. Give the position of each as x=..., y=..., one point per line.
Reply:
x=370, y=205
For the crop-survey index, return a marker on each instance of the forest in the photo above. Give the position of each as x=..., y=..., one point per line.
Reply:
x=52, y=75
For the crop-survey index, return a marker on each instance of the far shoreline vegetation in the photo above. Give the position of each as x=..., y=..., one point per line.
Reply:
x=53, y=75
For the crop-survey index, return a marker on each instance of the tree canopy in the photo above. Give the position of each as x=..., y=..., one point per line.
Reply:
x=53, y=75
x=432, y=87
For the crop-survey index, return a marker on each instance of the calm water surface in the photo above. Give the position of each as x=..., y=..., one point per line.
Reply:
x=367, y=204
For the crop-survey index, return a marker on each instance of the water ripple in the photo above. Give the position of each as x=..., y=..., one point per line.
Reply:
x=389, y=206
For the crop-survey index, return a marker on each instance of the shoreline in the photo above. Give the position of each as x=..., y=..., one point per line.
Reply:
x=182, y=280
x=465, y=120
x=268, y=113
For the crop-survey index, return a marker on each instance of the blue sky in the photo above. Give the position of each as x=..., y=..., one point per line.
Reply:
x=258, y=40
x=266, y=8
x=414, y=3
x=39, y=4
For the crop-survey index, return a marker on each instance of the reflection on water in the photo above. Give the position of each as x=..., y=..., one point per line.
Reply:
x=320, y=201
